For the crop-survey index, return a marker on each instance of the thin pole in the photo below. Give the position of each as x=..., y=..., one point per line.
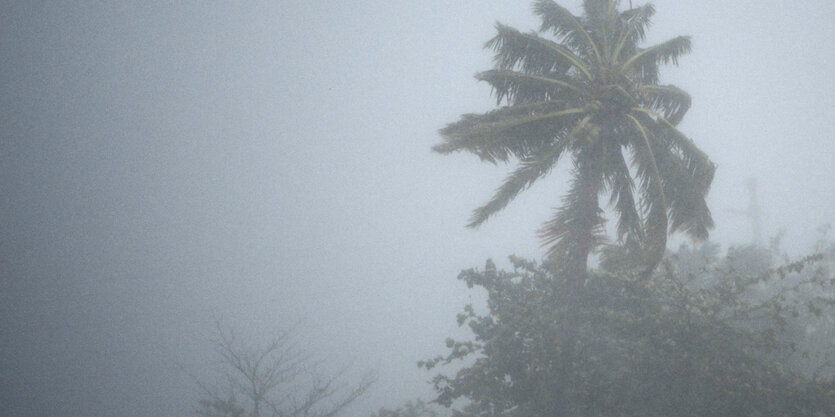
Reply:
x=754, y=212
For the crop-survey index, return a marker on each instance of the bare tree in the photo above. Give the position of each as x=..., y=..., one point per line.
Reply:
x=276, y=380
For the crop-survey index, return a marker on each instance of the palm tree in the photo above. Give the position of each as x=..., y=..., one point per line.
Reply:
x=592, y=93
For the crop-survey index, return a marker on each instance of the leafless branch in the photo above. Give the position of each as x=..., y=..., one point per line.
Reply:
x=277, y=380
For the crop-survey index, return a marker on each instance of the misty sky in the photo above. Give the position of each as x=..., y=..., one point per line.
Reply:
x=163, y=164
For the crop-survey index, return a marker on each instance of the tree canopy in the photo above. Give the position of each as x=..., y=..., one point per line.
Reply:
x=583, y=87
x=703, y=336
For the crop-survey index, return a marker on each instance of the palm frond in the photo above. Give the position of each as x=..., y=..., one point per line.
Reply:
x=669, y=100
x=685, y=194
x=636, y=22
x=597, y=11
x=528, y=52
x=531, y=169
x=688, y=174
x=564, y=25
x=646, y=61
x=509, y=46
x=509, y=131
x=685, y=145
x=653, y=199
x=629, y=14
x=504, y=125
x=619, y=181
x=520, y=88
x=577, y=226
x=600, y=17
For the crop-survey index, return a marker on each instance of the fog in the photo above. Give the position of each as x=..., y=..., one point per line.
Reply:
x=165, y=165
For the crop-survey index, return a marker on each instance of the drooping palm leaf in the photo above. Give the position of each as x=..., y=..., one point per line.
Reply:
x=687, y=178
x=622, y=187
x=510, y=46
x=531, y=169
x=565, y=26
x=636, y=22
x=527, y=52
x=483, y=136
x=697, y=161
x=577, y=226
x=520, y=88
x=645, y=62
x=600, y=17
x=668, y=100
x=654, y=201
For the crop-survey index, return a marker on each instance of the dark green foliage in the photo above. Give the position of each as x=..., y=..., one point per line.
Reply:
x=417, y=408
x=701, y=337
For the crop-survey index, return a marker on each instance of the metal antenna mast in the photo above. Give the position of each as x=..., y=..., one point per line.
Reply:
x=753, y=211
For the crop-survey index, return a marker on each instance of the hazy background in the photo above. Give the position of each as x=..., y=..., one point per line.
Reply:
x=163, y=164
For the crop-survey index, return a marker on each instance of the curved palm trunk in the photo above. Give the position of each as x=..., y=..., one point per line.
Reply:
x=575, y=229
x=577, y=225
x=575, y=266
x=575, y=270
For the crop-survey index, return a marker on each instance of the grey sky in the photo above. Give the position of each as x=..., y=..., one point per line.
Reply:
x=165, y=163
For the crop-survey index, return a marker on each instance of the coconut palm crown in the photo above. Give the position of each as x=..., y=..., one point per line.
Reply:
x=583, y=88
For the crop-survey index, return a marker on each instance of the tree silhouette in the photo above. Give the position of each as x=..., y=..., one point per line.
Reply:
x=276, y=380
x=593, y=94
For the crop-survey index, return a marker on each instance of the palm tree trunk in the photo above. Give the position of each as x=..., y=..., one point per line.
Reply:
x=574, y=271
x=587, y=217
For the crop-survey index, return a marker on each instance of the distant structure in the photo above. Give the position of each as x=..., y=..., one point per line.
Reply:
x=753, y=212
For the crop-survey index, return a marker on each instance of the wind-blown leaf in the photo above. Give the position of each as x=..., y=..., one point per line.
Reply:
x=671, y=101
x=654, y=201
x=598, y=11
x=688, y=210
x=528, y=52
x=577, y=226
x=531, y=169
x=512, y=130
x=511, y=49
x=619, y=181
x=634, y=30
x=645, y=63
x=563, y=24
x=687, y=177
x=521, y=88
x=697, y=160
x=504, y=125
x=600, y=16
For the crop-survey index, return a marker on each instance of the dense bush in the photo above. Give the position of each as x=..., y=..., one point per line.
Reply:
x=703, y=336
